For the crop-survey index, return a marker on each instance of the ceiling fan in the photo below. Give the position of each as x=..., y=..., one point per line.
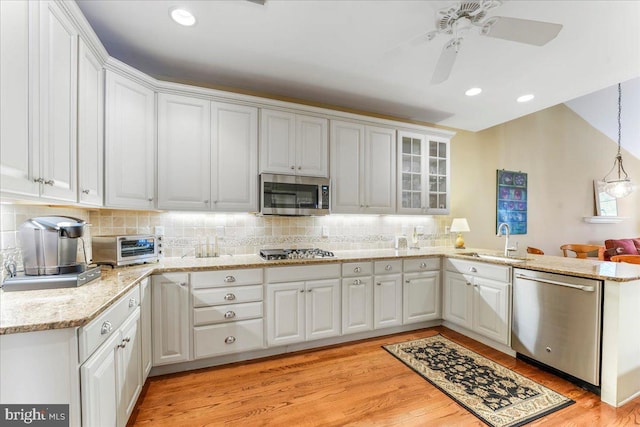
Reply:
x=458, y=20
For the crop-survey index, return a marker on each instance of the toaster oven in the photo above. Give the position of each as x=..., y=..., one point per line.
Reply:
x=126, y=250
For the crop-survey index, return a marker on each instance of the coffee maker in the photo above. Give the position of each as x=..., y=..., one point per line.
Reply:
x=49, y=254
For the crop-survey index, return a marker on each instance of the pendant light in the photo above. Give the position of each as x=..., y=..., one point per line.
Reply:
x=620, y=186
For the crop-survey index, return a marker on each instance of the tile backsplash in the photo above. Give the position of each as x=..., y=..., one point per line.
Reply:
x=237, y=233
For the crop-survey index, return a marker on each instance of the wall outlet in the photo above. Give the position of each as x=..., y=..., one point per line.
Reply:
x=158, y=230
x=220, y=230
x=325, y=231
x=446, y=229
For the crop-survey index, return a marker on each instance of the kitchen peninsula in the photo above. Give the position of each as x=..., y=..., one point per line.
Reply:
x=64, y=314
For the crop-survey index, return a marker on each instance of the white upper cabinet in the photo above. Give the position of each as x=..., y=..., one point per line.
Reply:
x=58, y=104
x=90, y=127
x=184, y=141
x=234, y=157
x=130, y=143
x=362, y=168
x=293, y=144
x=18, y=150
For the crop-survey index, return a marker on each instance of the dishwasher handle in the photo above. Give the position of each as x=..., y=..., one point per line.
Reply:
x=555, y=282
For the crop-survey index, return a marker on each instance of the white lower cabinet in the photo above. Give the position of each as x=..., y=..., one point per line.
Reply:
x=145, y=327
x=170, y=318
x=387, y=294
x=479, y=299
x=304, y=309
x=357, y=304
x=111, y=379
x=421, y=297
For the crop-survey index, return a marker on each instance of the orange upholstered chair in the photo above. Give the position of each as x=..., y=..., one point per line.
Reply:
x=632, y=259
x=532, y=250
x=580, y=250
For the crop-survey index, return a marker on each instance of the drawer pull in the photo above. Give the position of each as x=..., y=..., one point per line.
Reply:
x=106, y=328
x=379, y=284
x=468, y=283
x=229, y=297
x=183, y=284
x=357, y=270
x=230, y=340
x=133, y=302
x=423, y=265
x=229, y=314
x=388, y=267
x=357, y=282
x=229, y=279
x=473, y=269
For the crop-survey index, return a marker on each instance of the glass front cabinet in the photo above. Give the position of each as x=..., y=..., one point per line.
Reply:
x=424, y=171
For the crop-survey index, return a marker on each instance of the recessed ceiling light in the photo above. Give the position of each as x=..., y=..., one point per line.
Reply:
x=525, y=98
x=182, y=16
x=473, y=91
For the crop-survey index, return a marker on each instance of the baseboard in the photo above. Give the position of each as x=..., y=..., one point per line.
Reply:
x=484, y=340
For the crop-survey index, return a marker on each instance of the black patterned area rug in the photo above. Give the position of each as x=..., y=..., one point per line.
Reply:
x=496, y=395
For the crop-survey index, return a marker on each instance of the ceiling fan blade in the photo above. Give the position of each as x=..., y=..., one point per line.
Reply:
x=537, y=33
x=446, y=61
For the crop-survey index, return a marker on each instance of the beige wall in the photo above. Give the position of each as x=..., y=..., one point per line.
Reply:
x=562, y=155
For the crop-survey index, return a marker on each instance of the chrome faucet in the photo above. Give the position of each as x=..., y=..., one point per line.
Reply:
x=507, y=249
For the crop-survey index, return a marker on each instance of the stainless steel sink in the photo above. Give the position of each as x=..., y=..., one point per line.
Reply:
x=492, y=257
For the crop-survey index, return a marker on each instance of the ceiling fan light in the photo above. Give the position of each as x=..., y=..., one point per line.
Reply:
x=525, y=98
x=182, y=16
x=473, y=91
x=619, y=189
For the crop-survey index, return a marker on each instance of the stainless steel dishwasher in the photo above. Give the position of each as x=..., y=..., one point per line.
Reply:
x=557, y=322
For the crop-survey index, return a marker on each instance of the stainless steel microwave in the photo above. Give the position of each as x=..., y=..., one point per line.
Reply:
x=126, y=250
x=293, y=195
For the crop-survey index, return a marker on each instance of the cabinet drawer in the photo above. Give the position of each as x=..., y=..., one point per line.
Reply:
x=230, y=295
x=421, y=264
x=489, y=271
x=387, y=267
x=212, y=279
x=350, y=269
x=227, y=338
x=92, y=335
x=302, y=273
x=226, y=313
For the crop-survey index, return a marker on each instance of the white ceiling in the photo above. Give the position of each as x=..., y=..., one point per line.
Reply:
x=369, y=55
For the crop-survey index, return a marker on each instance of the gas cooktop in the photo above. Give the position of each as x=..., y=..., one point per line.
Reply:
x=272, y=254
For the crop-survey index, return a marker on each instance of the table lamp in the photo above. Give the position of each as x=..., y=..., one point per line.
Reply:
x=459, y=225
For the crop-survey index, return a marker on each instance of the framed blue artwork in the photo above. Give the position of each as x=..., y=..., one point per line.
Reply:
x=511, y=200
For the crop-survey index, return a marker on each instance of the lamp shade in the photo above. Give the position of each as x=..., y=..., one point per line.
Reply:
x=460, y=225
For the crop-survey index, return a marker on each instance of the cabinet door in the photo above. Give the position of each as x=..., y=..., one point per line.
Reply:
x=90, y=127
x=312, y=146
x=458, y=299
x=129, y=367
x=234, y=157
x=380, y=170
x=438, y=176
x=277, y=142
x=145, y=327
x=491, y=309
x=387, y=301
x=18, y=152
x=357, y=304
x=421, y=297
x=170, y=296
x=322, y=309
x=285, y=313
x=129, y=140
x=98, y=379
x=412, y=177
x=184, y=139
x=347, y=163
x=58, y=103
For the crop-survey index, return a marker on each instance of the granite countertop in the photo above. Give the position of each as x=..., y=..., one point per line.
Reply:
x=38, y=310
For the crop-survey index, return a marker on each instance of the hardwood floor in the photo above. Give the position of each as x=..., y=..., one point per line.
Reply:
x=356, y=384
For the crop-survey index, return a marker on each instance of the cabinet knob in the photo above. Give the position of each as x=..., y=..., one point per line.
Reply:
x=475, y=286
x=423, y=265
x=362, y=206
x=49, y=182
x=206, y=202
x=106, y=328
x=388, y=267
x=357, y=282
x=468, y=284
x=357, y=270
x=299, y=167
x=301, y=290
x=230, y=340
x=229, y=314
x=86, y=191
x=548, y=349
x=308, y=290
x=473, y=269
x=150, y=199
x=229, y=297
x=379, y=284
x=229, y=279
x=38, y=180
x=183, y=284
x=133, y=302
x=292, y=167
